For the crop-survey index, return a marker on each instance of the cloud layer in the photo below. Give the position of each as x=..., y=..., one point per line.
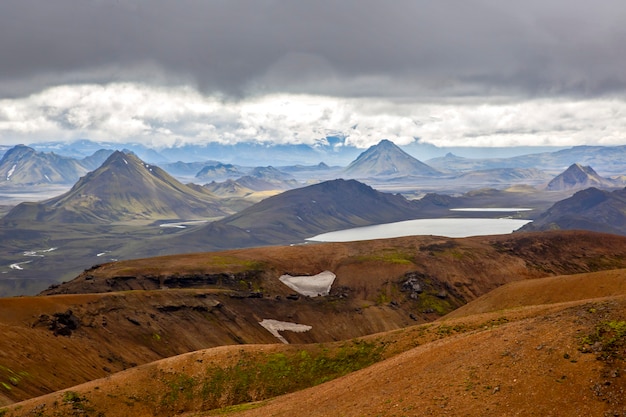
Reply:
x=171, y=116
x=449, y=72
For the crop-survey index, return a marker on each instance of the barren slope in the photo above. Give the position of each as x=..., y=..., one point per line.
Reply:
x=466, y=268
x=558, y=352
x=196, y=301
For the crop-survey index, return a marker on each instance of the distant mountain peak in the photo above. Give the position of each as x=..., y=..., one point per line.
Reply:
x=23, y=165
x=123, y=188
x=387, y=143
x=218, y=171
x=20, y=148
x=387, y=159
x=577, y=176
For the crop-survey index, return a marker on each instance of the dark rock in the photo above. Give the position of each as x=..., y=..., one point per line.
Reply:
x=133, y=321
x=412, y=284
x=60, y=324
x=169, y=308
x=256, y=294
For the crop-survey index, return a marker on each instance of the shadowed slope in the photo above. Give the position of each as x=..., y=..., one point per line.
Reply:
x=325, y=206
x=590, y=209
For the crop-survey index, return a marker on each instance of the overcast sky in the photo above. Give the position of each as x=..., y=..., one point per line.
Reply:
x=445, y=72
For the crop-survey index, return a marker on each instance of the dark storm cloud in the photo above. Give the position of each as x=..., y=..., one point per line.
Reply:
x=348, y=47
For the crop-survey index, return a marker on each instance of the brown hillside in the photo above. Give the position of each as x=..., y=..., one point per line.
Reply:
x=94, y=335
x=192, y=302
x=531, y=367
x=466, y=268
x=549, y=290
x=545, y=357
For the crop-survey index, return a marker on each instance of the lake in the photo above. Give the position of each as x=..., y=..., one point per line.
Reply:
x=448, y=227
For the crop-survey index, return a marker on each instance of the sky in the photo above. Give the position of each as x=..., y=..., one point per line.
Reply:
x=483, y=73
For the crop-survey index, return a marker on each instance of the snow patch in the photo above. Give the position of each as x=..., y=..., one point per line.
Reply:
x=18, y=265
x=38, y=253
x=275, y=326
x=11, y=171
x=48, y=178
x=182, y=225
x=125, y=161
x=311, y=286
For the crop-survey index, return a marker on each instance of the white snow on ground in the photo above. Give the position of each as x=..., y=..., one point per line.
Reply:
x=11, y=171
x=275, y=326
x=17, y=265
x=492, y=209
x=182, y=225
x=311, y=286
x=37, y=252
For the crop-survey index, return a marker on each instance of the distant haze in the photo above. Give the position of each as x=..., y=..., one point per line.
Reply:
x=448, y=73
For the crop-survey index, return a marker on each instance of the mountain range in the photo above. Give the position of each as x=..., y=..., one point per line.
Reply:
x=22, y=165
x=380, y=163
x=129, y=208
x=609, y=159
x=123, y=188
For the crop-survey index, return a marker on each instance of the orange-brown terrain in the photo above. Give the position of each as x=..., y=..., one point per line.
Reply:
x=522, y=324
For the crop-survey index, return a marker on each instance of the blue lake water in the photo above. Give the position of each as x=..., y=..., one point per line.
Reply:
x=449, y=227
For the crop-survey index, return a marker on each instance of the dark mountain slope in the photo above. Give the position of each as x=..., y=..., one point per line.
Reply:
x=590, y=209
x=123, y=188
x=294, y=215
x=329, y=205
x=387, y=159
